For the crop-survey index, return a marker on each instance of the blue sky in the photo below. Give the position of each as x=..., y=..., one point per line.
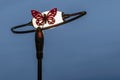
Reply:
x=86, y=49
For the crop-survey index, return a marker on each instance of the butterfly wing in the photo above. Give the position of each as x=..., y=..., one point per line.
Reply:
x=38, y=16
x=50, y=16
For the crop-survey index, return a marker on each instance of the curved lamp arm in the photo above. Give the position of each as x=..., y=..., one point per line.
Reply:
x=66, y=17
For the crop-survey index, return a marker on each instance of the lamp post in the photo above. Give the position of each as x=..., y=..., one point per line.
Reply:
x=39, y=41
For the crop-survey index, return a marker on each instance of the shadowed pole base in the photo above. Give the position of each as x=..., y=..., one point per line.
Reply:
x=40, y=69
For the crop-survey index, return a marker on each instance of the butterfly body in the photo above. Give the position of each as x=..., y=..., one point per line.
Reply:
x=42, y=19
x=45, y=18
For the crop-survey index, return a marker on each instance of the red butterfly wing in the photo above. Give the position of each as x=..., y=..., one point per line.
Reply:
x=50, y=16
x=38, y=16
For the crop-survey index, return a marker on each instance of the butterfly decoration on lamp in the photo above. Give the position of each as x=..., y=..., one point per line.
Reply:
x=47, y=18
x=41, y=19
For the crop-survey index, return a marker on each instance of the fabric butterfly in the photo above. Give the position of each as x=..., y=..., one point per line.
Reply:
x=41, y=19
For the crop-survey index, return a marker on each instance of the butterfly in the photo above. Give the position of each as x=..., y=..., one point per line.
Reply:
x=41, y=19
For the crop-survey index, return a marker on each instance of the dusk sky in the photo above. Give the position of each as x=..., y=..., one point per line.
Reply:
x=85, y=49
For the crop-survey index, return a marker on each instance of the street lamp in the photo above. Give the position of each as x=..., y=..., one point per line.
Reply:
x=43, y=21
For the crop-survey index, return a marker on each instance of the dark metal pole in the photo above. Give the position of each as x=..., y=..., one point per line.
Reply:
x=39, y=40
x=39, y=70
